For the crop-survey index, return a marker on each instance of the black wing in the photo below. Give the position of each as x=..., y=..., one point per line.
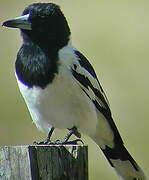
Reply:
x=89, y=83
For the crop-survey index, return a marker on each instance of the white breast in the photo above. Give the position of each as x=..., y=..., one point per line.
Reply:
x=62, y=104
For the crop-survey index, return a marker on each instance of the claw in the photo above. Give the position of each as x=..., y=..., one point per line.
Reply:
x=63, y=142
x=74, y=142
x=48, y=139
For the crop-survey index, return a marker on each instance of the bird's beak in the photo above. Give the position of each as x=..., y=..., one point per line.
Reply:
x=21, y=22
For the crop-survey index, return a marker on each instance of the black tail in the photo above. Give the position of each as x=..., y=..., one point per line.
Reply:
x=120, y=159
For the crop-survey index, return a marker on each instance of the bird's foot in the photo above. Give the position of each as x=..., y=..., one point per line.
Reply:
x=43, y=143
x=59, y=142
x=64, y=142
x=47, y=140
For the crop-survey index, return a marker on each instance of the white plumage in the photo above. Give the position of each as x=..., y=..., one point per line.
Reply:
x=63, y=104
x=60, y=86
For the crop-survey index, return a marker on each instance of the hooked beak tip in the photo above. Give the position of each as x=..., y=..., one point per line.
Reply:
x=5, y=24
x=19, y=22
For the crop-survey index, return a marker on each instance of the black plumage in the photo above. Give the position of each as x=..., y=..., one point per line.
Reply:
x=37, y=60
x=50, y=70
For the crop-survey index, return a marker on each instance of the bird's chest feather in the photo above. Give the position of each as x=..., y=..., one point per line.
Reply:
x=61, y=104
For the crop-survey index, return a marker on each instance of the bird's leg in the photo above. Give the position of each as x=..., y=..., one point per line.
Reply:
x=72, y=131
x=48, y=139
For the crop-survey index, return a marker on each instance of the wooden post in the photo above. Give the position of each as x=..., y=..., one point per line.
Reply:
x=42, y=162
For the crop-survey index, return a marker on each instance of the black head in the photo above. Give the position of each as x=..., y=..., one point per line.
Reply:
x=44, y=24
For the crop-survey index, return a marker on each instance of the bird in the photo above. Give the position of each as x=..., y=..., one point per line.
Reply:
x=60, y=86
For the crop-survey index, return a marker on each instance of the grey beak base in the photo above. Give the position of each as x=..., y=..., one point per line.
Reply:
x=19, y=22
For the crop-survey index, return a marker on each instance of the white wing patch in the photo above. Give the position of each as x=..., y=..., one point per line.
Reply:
x=71, y=60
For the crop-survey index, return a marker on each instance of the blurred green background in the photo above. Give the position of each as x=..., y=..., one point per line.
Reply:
x=114, y=36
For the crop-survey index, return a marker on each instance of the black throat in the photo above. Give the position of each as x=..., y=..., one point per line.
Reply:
x=35, y=65
x=37, y=59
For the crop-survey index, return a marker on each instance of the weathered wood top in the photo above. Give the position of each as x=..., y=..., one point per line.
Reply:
x=44, y=162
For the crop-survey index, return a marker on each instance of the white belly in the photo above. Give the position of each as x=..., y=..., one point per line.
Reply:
x=62, y=104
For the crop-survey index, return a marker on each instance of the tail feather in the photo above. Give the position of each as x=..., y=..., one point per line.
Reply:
x=110, y=142
x=125, y=166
